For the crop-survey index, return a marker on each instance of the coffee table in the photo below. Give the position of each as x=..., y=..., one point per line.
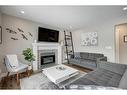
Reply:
x=60, y=73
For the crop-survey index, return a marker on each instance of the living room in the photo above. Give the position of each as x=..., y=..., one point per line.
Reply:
x=21, y=25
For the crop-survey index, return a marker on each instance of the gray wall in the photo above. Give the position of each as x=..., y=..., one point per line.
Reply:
x=10, y=46
x=106, y=38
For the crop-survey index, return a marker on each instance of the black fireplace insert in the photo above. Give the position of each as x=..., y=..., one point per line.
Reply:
x=47, y=59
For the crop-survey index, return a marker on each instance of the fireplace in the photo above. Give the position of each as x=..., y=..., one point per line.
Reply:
x=47, y=58
x=40, y=48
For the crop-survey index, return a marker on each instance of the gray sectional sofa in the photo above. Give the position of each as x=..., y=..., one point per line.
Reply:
x=87, y=60
x=107, y=74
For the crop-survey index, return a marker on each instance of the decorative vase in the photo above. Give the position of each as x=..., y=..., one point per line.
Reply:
x=29, y=67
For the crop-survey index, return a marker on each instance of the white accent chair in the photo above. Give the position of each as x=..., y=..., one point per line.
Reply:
x=14, y=66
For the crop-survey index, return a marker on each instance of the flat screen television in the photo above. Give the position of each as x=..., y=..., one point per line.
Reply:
x=47, y=35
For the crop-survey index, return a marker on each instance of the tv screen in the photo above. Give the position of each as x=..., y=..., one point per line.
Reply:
x=47, y=35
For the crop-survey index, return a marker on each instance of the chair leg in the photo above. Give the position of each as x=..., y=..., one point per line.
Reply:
x=8, y=74
x=7, y=77
x=28, y=74
x=17, y=78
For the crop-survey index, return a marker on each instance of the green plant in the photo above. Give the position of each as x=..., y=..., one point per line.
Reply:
x=29, y=56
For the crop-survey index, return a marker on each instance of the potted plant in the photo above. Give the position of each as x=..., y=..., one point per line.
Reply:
x=29, y=56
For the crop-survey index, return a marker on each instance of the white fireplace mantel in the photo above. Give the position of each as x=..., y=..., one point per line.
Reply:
x=46, y=46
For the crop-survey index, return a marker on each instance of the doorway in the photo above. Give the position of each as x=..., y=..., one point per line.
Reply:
x=121, y=43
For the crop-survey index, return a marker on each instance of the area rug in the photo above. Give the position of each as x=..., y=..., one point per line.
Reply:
x=40, y=81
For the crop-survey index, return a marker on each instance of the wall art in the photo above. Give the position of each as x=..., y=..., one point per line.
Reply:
x=11, y=31
x=20, y=30
x=24, y=37
x=89, y=39
x=14, y=38
x=30, y=34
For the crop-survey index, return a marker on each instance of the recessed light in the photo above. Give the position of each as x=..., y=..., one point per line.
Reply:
x=22, y=12
x=70, y=27
x=125, y=8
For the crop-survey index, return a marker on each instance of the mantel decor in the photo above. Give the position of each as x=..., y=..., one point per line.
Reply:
x=60, y=68
x=0, y=34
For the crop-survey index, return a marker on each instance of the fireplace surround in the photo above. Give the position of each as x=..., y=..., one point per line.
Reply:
x=41, y=48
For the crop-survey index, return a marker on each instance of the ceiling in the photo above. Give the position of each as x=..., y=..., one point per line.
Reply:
x=66, y=17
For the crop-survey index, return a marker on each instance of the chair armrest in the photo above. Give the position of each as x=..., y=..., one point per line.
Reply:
x=20, y=63
x=102, y=59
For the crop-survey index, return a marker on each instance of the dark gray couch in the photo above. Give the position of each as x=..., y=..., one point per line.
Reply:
x=87, y=60
x=107, y=74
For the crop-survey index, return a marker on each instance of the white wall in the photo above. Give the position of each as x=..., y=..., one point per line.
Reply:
x=10, y=46
x=106, y=38
x=117, y=44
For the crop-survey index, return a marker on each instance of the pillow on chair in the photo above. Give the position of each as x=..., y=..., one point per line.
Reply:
x=13, y=60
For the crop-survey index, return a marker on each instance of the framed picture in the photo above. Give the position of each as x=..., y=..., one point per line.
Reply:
x=0, y=34
x=125, y=38
x=89, y=39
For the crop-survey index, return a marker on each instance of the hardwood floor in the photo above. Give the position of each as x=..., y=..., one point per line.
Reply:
x=10, y=82
x=79, y=68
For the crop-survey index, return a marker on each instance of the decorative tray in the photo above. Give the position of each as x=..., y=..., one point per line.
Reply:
x=60, y=68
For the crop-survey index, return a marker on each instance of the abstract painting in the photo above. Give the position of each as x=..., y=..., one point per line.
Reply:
x=89, y=39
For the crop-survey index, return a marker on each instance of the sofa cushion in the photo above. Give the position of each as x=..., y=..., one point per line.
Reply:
x=94, y=56
x=74, y=60
x=104, y=77
x=84, y=55
x=99, y=77
x=88, y=62
x=114, y=67
x=123, y=81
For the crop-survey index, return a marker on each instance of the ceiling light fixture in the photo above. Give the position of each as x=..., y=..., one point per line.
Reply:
x=125, y=8
x=70, y=27
x=22, y=12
